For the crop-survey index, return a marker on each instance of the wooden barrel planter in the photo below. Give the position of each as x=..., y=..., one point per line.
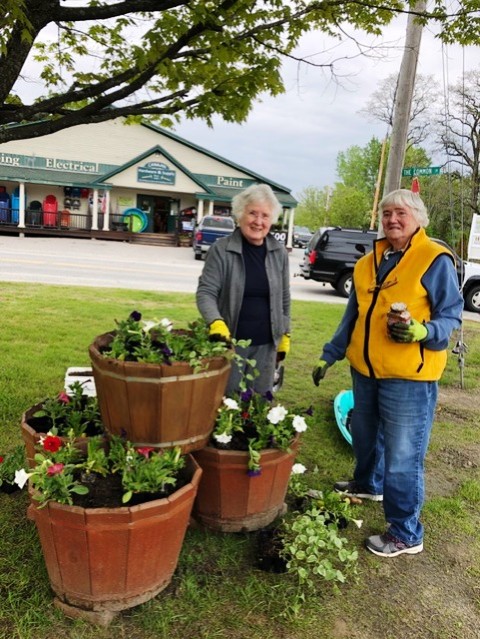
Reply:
x=229, y=500
x=33, y=429
x=157, y=404
x=104, y=560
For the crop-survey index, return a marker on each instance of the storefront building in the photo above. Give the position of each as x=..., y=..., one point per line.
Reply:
x=108, y=179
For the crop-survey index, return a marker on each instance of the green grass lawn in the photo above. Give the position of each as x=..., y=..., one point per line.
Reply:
x=217, y=592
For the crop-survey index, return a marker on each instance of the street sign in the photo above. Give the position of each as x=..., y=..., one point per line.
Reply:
x=414, y=171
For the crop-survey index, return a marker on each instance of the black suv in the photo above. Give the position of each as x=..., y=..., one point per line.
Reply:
x=332, y=253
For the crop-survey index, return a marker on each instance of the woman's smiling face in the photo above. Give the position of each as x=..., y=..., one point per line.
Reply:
x=256, y=222
x=399, y=224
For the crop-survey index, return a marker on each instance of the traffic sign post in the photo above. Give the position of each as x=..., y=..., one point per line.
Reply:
x=415, y=171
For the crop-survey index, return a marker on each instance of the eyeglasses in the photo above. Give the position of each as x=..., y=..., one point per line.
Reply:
x=259, y=215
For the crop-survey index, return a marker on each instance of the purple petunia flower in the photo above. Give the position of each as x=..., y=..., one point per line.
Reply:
x=254, y=473
x=247, y=395
x=135, y=316
x=268, y=396
x=309, y=411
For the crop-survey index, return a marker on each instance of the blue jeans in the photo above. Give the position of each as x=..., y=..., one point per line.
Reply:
x=391, y=424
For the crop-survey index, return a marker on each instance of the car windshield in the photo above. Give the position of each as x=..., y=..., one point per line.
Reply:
x=302, y=229
x=218, y=222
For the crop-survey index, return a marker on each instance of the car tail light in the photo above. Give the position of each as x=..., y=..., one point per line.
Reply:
x=198, y=236
x=312, y=257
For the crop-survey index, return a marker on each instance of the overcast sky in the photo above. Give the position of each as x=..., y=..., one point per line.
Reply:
x=294, y=139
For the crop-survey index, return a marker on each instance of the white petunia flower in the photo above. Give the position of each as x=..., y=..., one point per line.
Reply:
x=299, y=424
x=166, y=323
x=276, y=414
x=298, y=469
x=231, y=404
x=21, y=477
x=223, y=438
x=358, y=522
x=147, y=326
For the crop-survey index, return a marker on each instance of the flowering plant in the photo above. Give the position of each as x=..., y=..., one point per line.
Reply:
x=9, y=463
x=61, y=472
x=155, y=342
x=252, y=422
x=70, y=411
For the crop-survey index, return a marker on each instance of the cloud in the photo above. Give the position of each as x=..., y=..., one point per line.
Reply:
x=294, y=139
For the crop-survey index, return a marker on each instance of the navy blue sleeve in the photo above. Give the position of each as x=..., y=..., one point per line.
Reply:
x=336, y=348
x=446, y=302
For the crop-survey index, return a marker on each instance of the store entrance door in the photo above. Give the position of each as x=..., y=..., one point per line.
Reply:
x=157, y=210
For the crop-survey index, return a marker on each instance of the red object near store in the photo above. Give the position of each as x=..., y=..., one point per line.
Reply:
x=50, y=208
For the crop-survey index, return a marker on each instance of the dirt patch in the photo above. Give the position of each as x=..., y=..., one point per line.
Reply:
x=434, y=595
x=457, y=401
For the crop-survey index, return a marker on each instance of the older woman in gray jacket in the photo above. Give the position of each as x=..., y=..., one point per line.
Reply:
x=244, y=288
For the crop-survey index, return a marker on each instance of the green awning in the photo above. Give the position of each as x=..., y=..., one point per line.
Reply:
x=225, y=194
x=45, y=176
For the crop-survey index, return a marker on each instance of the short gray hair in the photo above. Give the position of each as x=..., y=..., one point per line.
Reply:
x=404, y=197
x=256, y=194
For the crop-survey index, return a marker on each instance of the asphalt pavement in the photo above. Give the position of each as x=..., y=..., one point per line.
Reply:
x=110, y=264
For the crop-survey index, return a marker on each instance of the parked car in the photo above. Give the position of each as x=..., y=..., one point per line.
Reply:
x=209, y=230
x=301, y=236
x=332, y=253
x=468, y=273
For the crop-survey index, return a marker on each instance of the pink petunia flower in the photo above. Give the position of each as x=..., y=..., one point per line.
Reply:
x=63, y=398
x=55, y=469
x=145, y=451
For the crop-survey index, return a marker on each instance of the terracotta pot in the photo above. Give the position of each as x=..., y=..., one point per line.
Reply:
x=103, y=560
x=157, y=404
x=31, y=435
x=229, y=500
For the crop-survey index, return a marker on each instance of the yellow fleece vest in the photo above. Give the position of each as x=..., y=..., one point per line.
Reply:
x=371, y=351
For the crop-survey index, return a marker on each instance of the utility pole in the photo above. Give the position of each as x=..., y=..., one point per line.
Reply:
x=403, y=100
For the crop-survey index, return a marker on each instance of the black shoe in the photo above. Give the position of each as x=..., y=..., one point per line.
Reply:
x=351, y=489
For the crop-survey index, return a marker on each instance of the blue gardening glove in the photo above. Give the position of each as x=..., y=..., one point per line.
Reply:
x=283, y=348
x=413, y=332
x=319, y=371
x=218, y=332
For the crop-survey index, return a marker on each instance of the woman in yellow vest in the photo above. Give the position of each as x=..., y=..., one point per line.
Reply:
x=396, y=365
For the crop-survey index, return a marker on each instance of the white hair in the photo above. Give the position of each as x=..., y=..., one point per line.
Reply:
x=256, y=194
x=409, y=199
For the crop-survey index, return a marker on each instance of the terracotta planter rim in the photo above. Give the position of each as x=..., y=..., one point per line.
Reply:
x=155, y=503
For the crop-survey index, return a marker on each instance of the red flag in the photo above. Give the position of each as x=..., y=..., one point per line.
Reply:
x=415, y=185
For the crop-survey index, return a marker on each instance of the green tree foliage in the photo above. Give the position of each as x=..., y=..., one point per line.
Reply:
x=156, y=59
x=312, y=208
x=446, y=198
x=349, y=207
x=357, y=167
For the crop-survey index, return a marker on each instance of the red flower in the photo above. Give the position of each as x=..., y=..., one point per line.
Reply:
x=52, y=443
x=245, y=415
x=55, y=469
x=145, y=451
x=1, y=459
x=63, y=398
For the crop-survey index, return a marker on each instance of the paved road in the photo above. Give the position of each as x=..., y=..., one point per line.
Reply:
x=121, y=265
x=100, y=263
